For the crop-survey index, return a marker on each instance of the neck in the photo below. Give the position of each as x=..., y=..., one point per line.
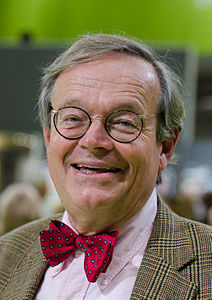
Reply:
x=90, y=225
x=99, y=219
x=98, y=222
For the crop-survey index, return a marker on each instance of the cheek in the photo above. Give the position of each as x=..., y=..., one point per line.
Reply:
x=134, y=154
x=59, y=146
x=145, y=160
x=56, y=153
x=54, y=150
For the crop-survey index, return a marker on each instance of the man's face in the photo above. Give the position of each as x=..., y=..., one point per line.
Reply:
x=83, y=169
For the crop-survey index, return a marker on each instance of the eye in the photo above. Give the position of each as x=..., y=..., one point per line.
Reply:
x=126, y=123
x=123, y=125
x=71, y=119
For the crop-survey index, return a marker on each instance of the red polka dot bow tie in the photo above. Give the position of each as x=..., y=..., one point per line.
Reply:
x=60, y=241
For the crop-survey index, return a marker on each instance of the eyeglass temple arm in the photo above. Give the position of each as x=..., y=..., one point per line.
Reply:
x=146, y=116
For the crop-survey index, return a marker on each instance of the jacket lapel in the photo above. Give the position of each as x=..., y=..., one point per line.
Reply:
x=168, y=251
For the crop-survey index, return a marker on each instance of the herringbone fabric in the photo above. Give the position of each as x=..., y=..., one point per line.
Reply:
x=177, y=263
x=21, y=272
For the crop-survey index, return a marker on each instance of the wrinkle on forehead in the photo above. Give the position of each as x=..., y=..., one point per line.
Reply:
x=106, y=63
x=114, y=73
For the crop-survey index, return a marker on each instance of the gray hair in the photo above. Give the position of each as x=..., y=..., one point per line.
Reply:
x=170, y=110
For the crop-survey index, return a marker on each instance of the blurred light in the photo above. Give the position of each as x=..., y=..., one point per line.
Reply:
x=203, y=3
x=25, y=140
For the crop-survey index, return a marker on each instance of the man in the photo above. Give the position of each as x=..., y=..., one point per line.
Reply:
x=111, y=116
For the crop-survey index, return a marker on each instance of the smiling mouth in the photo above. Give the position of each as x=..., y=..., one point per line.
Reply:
x=86, y=169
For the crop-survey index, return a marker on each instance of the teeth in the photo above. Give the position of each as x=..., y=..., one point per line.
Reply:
x=93, y=167
x=87, y=169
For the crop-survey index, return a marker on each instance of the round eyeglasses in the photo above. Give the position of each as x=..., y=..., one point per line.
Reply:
x=123, y=126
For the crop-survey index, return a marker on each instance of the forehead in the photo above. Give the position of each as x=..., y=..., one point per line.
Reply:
x=111, y=74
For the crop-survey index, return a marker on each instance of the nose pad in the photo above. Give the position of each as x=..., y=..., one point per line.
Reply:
x=98, y=117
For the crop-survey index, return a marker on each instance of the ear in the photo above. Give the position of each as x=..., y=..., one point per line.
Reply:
x=167, y=150
x=46, y=135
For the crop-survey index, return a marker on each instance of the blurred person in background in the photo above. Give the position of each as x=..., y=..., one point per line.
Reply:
x=19, y=204
x=33, y=171
x=168, y=190
x=111, y=114
x=190, y=198
x=195, y=181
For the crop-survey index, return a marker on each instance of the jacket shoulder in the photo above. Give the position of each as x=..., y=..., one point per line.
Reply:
x=201, y=236
x=14, y=245
x=200, y=233
x=22, y=236
x=175, y=229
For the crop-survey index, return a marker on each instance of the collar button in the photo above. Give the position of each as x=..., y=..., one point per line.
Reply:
x=104, y=281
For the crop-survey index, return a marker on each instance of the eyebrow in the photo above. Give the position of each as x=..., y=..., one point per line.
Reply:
x=72, y=102
x=124, y=105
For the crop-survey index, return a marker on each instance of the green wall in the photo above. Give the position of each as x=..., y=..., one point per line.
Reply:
x=179, y=21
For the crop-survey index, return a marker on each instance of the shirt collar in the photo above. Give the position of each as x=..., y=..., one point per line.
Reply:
x=133, y=237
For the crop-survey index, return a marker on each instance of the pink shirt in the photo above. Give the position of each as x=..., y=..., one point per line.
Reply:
x=68, y=280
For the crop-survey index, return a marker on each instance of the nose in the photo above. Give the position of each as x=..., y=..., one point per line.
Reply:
x=96, y=137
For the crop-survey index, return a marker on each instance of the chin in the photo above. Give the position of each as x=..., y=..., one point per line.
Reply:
x=95, y=199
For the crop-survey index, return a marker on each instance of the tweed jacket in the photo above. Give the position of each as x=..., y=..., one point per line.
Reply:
x=177, y=262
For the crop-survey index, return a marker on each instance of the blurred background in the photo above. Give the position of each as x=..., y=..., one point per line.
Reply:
x=34, y=32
